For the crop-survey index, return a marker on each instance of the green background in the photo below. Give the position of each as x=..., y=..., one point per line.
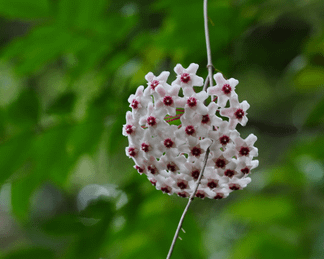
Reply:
x=67, y=68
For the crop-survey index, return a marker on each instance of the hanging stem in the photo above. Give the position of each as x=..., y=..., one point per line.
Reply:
x=187, y=207
x=210, y=66
x=209, y=81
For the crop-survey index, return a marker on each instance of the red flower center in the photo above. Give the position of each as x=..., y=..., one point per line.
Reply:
x=152, y=169
x=182, y=185
x=190, y=130
x=224, y=139
x=154, y=84
x=195, y=151
x=172, y=167
x=132, y=152
x=226, y=89
x=192, y=102
x=205, y=119
x=166, y=189
x=139, y=169
x=185, y=78
x=153, y=182
x=168, y=143
x=168, y=101
x=234, y=186
x=195, y=174
x=182, y=194
x=151, y=121
x=129, y=129
x=244, y=151
x=212, y=184
x=200, y=194
x=220, y=163
x=245, y=170
x=229, y=173
x=145, y=147
x=239, y=114
x=134, y=104
x=219, y=196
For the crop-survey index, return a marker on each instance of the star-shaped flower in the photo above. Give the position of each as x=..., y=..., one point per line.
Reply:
x=155, y=81
x=187, y=78
x=236, y=113
x=224, y=89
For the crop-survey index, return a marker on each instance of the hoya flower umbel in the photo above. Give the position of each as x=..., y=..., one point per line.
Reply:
x=169, y=134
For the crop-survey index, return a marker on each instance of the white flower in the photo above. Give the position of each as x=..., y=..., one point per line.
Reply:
x=169, y=134
x=224, y=89
x=237, y=112
x=153, y=82
x=169, y=99
x=187, y=78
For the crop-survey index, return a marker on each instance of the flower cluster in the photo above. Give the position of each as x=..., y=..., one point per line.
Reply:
x=172, y=155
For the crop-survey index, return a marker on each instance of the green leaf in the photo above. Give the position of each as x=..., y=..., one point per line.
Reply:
x=13, y=154
x=316, y=116
x=268, y=209
x=84, y=137
x=64, y=104
x=98, y=208
x=34, y=253
x=310, y=78
x=64, y=225
x=92, y=241
x=25, y=110
x=41, y=45
x=21, y=192
x=80, y=13
x=24, y=9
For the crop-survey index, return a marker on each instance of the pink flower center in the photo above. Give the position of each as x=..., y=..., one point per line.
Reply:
x=212, y=184
x=151, y=121
x=226, y=89
x=172, y=167
x=195, y=174
x=224, y=139
x=134, y=104
x=190, y=130
x=234, y=186
x=200, y=194
x=152, y=169
x=245, y=170
x=244, y=151
x=185, y=78
x=192, y=102
x=154, y=84
x=219, y=196
x=195, y=151
x=182, y=184
x=220, y=163
x=166, y=189
x=145, y=147
x=229, y=173
x=168, y=101
x=205, y=119
x=168, y=143
x=129, y=129
x=132, y=152
x=239, y=114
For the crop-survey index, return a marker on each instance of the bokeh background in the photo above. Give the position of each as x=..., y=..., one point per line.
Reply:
x=67, y=68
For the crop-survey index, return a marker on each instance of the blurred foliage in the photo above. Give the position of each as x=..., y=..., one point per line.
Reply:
x=66, y=71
